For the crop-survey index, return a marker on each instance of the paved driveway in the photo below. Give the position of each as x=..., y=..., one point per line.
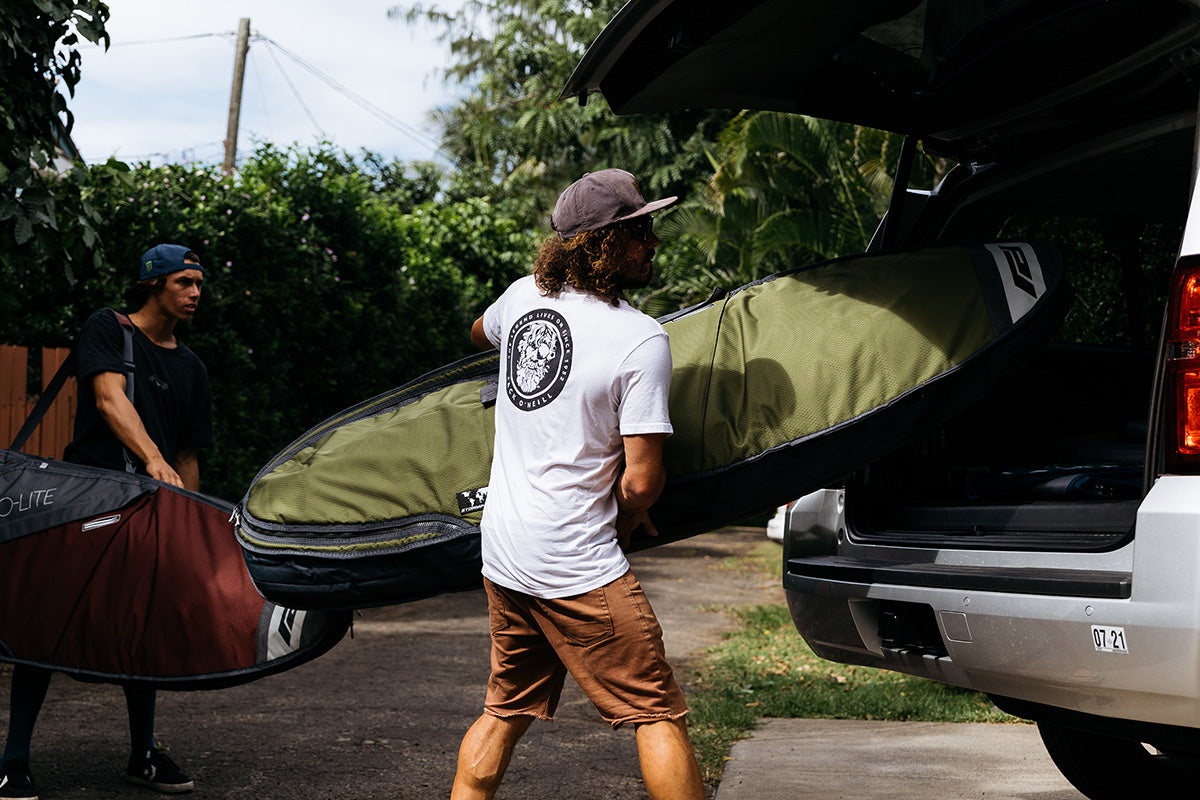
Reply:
x=381, y=715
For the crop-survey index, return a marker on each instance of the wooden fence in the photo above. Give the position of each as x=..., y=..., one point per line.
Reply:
x=52, y=436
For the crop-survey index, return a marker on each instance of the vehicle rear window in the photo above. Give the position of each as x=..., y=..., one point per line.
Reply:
x=1119, y=271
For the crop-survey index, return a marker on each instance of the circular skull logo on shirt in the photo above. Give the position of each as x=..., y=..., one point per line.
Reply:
x=539, y=359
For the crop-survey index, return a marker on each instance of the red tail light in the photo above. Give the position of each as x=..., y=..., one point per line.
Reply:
x=1183, y=371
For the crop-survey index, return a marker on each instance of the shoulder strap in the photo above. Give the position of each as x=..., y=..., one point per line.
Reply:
x=127, y=357
x=43, y=404
x=60, y=377
x=127, y=352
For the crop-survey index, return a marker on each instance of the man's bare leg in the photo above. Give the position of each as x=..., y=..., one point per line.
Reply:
x=484, y=754
x=668, y=764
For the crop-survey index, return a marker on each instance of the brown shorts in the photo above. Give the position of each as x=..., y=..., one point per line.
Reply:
x=608, y=639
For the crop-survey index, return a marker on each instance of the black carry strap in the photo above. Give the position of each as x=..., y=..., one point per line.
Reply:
x=127, y=357
x=43, y=403
x=60, y=378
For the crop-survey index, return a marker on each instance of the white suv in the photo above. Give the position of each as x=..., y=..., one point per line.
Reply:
x=1044, y=545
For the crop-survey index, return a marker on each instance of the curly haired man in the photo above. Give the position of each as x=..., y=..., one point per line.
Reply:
x=578, y=462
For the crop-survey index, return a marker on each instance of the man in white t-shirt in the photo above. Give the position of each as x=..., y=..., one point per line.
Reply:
x=578, y=461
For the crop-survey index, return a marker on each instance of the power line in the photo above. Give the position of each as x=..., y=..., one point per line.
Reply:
x=412, y=132
x=295, y=92
x=164, y=156
x=417, y=135
x=162, y=41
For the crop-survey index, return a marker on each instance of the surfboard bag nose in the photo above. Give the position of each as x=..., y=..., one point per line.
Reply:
x=113, y=576
x=779, y=388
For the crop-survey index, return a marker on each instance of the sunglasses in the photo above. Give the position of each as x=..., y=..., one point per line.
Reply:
x=641, y=227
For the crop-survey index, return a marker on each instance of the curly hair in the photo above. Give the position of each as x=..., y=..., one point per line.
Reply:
x=593, y=261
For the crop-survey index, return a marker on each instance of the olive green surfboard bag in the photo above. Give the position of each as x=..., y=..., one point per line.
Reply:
x=779, y=388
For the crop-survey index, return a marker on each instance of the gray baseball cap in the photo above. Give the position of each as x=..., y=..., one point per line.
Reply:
x=599, y=199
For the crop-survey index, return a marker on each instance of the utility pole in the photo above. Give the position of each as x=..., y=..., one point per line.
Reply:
x=235, y=94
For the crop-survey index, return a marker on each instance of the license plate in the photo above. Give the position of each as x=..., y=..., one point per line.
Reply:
x=1108, y=639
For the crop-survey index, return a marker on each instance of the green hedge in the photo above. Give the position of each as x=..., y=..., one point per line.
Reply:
x=329, y=278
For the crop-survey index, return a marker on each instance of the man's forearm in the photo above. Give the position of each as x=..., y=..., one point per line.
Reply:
x=123, y=420
x=643, y=478
x=127, y=426
x=187, y=464
x=638, y=492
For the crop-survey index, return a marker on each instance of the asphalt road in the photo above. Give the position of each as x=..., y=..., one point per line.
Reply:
x=381, y=715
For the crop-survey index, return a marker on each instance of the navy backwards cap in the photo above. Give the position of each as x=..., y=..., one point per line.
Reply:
x=163, y=259
x=599, y=199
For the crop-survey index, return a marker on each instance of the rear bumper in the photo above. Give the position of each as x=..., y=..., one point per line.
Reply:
x=1036, y=627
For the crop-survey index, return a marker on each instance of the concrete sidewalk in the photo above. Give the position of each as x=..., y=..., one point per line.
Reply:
x=865, y=760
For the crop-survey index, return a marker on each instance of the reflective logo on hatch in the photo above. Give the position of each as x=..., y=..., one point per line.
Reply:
x=1021, y=275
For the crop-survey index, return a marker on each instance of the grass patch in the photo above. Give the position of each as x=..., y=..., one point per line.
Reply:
x=765, y=669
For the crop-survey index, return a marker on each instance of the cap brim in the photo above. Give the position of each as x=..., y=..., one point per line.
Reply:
x=649, y=208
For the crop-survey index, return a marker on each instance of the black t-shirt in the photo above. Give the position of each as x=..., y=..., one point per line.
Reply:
x=170, y=393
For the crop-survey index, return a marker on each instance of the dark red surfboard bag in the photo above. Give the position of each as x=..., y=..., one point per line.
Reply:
x=116, y=576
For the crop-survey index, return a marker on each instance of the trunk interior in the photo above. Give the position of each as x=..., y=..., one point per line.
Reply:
x=1055, y=458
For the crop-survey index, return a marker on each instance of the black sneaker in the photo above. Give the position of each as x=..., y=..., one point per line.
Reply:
x=16, y=783
x=156, y=770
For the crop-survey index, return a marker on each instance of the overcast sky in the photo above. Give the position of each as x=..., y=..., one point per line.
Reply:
x=161, y=92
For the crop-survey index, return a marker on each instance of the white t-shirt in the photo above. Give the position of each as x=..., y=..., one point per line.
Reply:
x=577, y=373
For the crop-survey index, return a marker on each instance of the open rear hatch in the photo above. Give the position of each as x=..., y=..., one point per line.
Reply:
x=972, y=78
